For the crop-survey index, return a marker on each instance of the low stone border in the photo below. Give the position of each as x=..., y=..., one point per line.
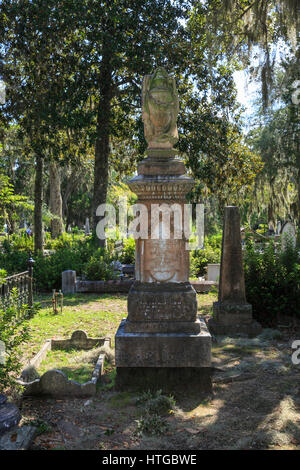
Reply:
x=110, y=287
x=54, y=382
x=104, y=287
x=202, y=287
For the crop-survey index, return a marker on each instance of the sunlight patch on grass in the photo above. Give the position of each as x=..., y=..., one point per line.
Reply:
x=86, y=312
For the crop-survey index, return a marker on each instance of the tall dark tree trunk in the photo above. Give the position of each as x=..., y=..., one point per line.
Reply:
x=102, y=142
x=55, y=199
x=38, y=204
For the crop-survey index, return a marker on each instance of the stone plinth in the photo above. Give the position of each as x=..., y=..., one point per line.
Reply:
x=163, y=360
x=162, y=343
x=232, y=314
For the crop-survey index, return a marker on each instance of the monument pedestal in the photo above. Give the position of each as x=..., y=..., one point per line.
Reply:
x=231, y=319
x=163, y=360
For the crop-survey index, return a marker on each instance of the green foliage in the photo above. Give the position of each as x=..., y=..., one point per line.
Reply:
x=99, y=267
x=151, y=424
x=127, y=255
x=65, y=240
x=278, y=185
x=20, y=241
x=71, y=252
x=41, y=425
x=8, y=200
x=13, y=261
x=13, y=331
x=210, y=254
x=2, y=276
x=241, y=25
x=215, y=241
x=272, y=279
x=155, y=405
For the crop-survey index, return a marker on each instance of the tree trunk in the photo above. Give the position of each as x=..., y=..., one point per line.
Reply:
x=55, y=200
x=38, y=204
x=102, y=142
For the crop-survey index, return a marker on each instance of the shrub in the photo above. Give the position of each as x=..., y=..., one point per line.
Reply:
x=201, y=258
x=13, y=259
x=156, y=402
x=272, y=279
x=151, y=424
x=19, y=241
x=155, y=405
x=80, y=255
x=127, y=256
x=99, y=267
x=13, y=331
x=48, y=269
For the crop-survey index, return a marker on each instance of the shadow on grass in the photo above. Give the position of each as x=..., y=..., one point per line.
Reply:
x=259, y=413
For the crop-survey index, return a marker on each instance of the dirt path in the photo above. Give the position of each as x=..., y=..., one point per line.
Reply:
x=255, y=405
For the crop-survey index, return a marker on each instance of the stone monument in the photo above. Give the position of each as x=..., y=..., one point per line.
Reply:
x=68, y=282
x=162, y=343
x=232, y=314
x=288, y=235
x=9, y=415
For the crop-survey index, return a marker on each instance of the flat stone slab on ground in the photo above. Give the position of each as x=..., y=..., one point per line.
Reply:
x=19, y=438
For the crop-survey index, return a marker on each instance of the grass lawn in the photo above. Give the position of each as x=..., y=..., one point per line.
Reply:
x=77, y=365
x=98, y=315
x=255, y=402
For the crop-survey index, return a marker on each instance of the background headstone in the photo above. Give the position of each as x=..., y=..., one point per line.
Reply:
x=87, y=226
x=288, y=232
x=213, y=272
x=68, y=282
x=232, y=314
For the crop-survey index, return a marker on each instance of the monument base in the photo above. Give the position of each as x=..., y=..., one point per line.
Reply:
x=167, y=379
x=163, y=360
x=231, y=319
x=163, y=327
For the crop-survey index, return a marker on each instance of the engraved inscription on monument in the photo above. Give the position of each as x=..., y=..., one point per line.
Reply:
x=163, y=261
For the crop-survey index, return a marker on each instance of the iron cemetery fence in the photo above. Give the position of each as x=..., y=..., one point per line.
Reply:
x=18, y=287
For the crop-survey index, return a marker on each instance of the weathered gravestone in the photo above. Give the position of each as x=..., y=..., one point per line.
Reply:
x=288, y=235
x=232, y=314
x=162, y=343
x=68, y=282
x=87, y=227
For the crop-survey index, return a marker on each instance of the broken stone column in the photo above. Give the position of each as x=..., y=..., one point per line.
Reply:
x=232, y=313
x=162, y=343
